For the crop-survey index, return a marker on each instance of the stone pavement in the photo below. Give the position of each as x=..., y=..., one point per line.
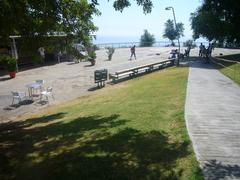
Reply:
x=212, y=113
x=69, y=80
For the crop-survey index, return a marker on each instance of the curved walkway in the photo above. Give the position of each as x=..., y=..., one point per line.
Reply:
x=212, y=113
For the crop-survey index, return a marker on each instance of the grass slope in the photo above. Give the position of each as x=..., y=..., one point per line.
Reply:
x=133, y=130
x=232, y=70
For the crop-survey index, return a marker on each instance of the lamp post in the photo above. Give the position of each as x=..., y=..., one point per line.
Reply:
x=169, y=8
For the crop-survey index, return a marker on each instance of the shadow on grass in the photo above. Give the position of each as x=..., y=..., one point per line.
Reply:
x=217, y=170
x=90, y=147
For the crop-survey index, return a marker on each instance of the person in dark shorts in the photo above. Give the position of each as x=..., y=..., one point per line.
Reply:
x=133, y=52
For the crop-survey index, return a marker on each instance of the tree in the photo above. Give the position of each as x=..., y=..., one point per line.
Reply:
x=147, y=39
x=147, y=5
x=35, y=20
x=171, y=32
x=217, y=20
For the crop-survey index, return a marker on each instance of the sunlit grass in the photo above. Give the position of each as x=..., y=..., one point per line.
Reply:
x=132, y=130
x=231, y=69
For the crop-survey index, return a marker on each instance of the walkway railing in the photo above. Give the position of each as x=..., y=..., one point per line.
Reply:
x=129, y=44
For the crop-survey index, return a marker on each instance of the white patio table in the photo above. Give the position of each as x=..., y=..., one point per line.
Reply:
x=33, y=86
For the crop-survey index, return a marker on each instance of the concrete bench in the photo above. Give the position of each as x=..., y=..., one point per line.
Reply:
x=143, y=68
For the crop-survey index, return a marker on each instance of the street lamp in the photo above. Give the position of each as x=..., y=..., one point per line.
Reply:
x=169, y=8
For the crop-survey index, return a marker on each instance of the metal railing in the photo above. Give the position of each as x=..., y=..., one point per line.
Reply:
x=130, y=44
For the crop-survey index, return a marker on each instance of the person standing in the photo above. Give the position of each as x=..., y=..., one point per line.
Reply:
x=201, y=50
x=133, y=53
x=209, y=49
x=41, y=51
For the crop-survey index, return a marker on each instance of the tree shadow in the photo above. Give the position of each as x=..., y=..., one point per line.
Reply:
x=217, y=170
x=90, y=147
x=5, y=78
x=200, y=62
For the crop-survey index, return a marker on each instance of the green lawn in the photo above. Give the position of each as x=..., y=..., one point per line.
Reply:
x=232, y=70
x=132, y=130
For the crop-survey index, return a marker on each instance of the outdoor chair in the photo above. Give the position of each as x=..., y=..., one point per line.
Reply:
x=19, y=96
x=47, y=93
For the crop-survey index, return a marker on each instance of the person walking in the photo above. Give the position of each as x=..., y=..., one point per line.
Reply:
x=133, y=52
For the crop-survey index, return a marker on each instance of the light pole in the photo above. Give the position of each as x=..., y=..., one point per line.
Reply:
x=169, y=8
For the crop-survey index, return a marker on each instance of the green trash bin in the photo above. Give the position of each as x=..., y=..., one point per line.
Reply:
x=100, y=76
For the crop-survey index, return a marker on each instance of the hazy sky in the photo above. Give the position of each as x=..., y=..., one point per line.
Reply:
x=132, y=21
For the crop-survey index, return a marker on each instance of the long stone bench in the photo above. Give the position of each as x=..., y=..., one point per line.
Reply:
x=140, y=69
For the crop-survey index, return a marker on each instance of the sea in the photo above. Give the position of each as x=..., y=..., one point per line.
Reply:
x=127, y=41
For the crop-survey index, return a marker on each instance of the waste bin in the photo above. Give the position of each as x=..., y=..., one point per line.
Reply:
x=104, y=74
x=100, y=76
x=97, y=75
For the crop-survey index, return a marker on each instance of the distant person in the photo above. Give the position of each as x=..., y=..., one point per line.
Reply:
x=173, y=54
x=187, y=51
x=133, y=52
x=41, y=51
x=201, y=50
x=209, y=49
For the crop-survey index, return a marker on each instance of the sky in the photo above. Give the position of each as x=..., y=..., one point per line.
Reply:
x=115, y=26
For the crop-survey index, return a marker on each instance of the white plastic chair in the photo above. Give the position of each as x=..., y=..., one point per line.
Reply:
x=19, y=96
x=47, y=93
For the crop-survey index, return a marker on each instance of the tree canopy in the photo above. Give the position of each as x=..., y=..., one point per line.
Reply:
x=147, y=39
x=147, y=5
x=36, y=18
x=171, y=32
x=31, y=17
x=217, y=20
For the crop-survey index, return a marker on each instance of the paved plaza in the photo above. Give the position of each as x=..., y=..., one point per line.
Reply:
x=70, y=80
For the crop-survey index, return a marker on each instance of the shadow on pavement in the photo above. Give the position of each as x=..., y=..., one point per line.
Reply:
x=217, y=170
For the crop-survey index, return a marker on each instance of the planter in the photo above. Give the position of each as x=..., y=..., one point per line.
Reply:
x=93, y=61
x=12, y=74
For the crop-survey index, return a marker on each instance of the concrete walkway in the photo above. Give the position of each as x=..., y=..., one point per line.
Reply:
x=212, y=114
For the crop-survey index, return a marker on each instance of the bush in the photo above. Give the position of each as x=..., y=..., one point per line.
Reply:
x=91, y=52
x=12, y=65
x=3, y=61
x=190, y=43
x=9, y=63
x=110, y=52
x=37, y=59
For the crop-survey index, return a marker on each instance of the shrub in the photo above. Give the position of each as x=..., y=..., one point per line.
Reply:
x=9, y=63
x=110, y=52
x=3, y=60
x=190, y=43
x=37, y=59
